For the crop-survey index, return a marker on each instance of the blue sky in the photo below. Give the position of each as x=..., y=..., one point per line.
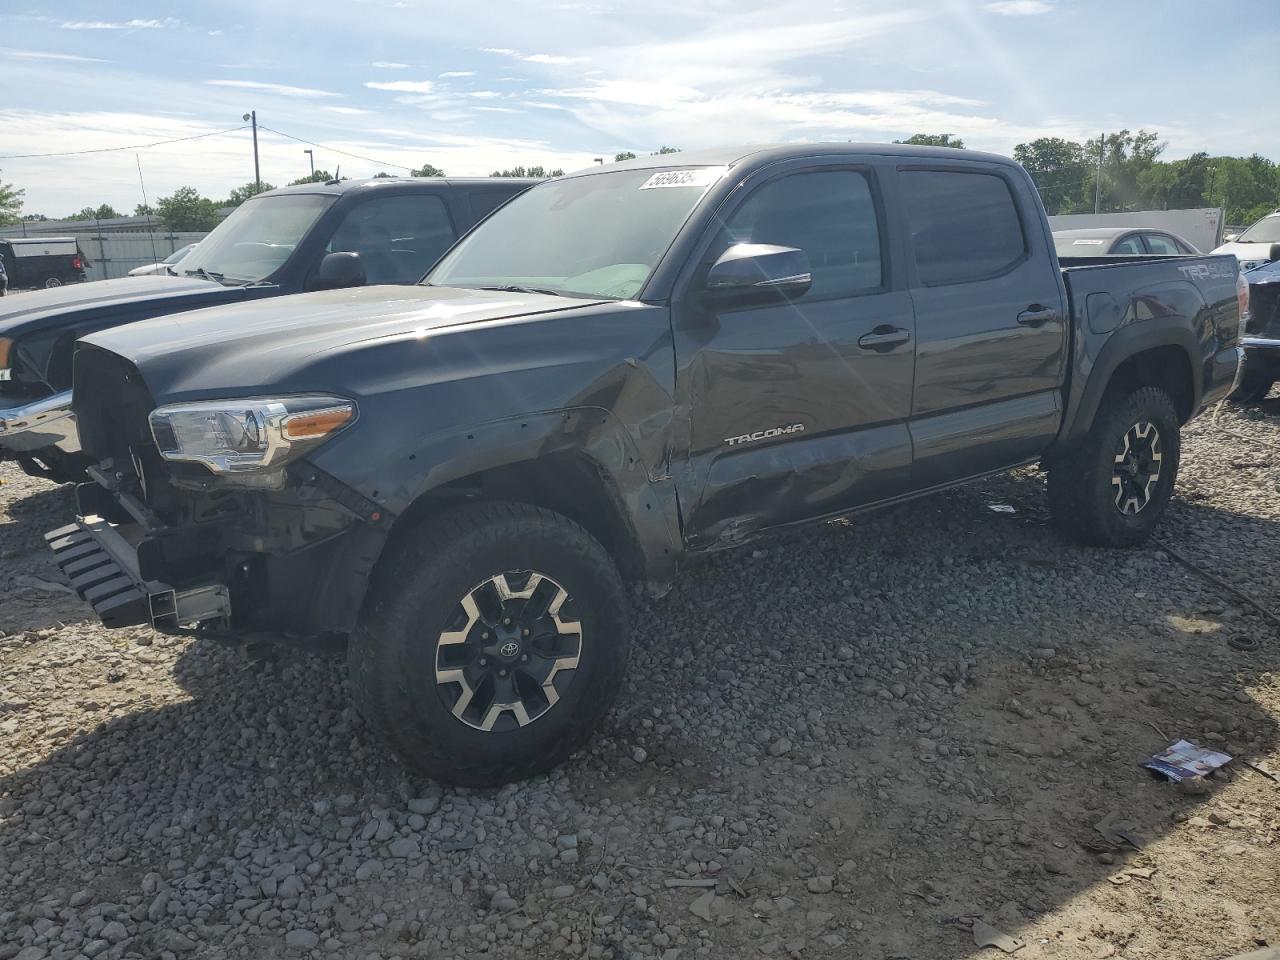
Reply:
x=471, y=87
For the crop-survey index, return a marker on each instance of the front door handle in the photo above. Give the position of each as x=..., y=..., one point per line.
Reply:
x=884, y=337
x=1036, y=315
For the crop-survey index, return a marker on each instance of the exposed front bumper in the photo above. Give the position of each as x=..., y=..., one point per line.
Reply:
x=102, y=566
x=1262, y=355
x=40, y=425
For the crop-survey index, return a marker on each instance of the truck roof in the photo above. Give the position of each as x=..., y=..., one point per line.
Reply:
x=759, y=154
x=374, y=183
x=37, y=239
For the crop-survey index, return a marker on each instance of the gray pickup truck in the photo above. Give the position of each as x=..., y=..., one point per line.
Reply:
x=617, y=370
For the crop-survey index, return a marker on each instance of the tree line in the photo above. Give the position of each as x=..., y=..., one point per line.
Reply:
x=1119, y=171
x=1123, y=171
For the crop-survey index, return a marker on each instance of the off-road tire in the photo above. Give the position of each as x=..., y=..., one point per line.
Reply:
x=1253, y=388
x=391, y=657
x=1082, y=497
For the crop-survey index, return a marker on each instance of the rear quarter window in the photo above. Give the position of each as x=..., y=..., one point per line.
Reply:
x=964, y=226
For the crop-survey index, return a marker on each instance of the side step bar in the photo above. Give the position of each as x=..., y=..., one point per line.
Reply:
x=103, y=570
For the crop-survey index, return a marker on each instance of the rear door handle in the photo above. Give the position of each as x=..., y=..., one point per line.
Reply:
x=1035, y=315
x=884, y=337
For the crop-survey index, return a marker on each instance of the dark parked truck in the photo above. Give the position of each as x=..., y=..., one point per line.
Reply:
x=1261, y=368
x=311, y=237
x=619, y=369
x=46, y=262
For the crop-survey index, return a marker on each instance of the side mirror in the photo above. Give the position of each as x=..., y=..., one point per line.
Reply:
x=758, y=273
x=1229, y=237
x=1274, y=252
x=339, y=270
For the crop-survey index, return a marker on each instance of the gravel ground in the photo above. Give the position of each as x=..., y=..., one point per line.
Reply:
x=846, y=743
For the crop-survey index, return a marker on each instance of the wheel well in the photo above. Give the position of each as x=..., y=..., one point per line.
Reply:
x=1166, y=367
x=569, y=484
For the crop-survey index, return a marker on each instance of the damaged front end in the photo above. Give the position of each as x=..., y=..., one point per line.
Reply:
x=197, y=517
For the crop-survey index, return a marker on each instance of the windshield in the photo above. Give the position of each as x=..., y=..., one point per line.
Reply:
x=256, y=239
x=179, y=254
x=594, y=236
x=1266, y=230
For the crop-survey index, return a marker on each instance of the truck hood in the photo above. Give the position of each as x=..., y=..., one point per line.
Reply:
x=1250, y=255
x=228, y=350
x=37, y=309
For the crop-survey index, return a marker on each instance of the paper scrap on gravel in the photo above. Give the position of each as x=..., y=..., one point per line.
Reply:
x=1184, y=760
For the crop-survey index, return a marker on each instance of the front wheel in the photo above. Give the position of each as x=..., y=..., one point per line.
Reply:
x=494, y=642
x=1113, y=486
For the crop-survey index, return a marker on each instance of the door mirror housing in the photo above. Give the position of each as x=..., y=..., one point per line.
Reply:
x=1274, y=252
x=758, y=273
x=1229, y=237
x=339, y=270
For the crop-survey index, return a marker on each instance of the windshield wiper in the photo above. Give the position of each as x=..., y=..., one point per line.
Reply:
x=202, y=272
x=513, y=288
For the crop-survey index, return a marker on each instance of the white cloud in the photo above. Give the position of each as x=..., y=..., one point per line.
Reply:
x=119, y=24
x=450, y=74
x=348, y=111
x=280, y=89
x=388, y=65
x=401, y=86
x=1018, y=8
x=548, y=58
x=44, y=55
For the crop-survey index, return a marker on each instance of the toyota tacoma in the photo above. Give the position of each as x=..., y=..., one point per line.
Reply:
x=618, y=370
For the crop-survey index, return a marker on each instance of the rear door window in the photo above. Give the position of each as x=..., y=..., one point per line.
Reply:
x=398, y=238
x=1159, y=243
x=964, y=226
x=1129, y=245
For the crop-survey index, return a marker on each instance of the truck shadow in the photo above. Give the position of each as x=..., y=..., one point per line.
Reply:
x=946, y=758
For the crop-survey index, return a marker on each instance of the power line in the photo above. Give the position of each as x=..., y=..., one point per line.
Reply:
x=136, y=146
x=345, y=153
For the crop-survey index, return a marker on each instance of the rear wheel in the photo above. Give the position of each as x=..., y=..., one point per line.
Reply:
x=1253, y=388
x=493, y=644
x=1112, y=488
x=51, y=281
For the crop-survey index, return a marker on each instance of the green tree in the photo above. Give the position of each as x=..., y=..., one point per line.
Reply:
x=185, y=209
x=427, y=170
x=934, y=140
x=538, y=171
x=625, y=155
x=383, y=175
x=1127, y=159
x=34, y=217
x=10, y=202
x=663, y=151
x=144, y=210
x=1059, y=169
x=103, y=212
x=320, y=176
x=240, y=194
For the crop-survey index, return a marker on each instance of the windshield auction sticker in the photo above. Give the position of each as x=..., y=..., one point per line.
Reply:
x=694, y=177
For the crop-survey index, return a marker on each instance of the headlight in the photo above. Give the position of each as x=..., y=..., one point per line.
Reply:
x=248, y=441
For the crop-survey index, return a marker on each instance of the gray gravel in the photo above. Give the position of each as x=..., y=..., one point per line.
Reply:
x=845, y=743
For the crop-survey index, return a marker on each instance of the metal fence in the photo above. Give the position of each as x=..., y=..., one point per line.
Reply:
x=110, y=256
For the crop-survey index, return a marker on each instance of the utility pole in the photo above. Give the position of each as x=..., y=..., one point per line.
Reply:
x=311, y=155
x=1097, y=190
x=252, y=117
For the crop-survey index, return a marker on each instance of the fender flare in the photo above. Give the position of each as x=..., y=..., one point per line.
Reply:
x=1121, y=346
